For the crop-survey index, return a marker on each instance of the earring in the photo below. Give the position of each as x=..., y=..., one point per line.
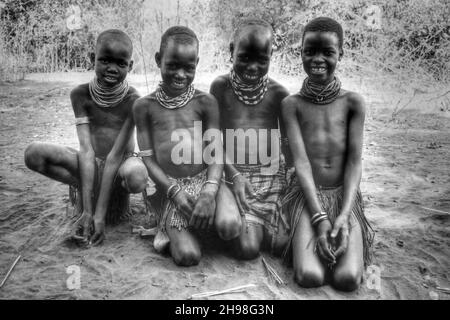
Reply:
x=231, y=59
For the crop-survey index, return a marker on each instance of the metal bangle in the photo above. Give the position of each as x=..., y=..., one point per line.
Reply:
x=169, y=190
x=235, y=175
x=211, y=182
x=145, y=153
x=318, y=220
x=176, y=191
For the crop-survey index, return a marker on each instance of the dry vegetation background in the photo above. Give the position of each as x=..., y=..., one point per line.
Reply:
x=413, y=41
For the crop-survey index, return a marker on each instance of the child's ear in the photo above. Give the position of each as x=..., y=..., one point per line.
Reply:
x=341, y=54
x=231, y=48
x=130, y=66
x=158, y=59
x=92, y=58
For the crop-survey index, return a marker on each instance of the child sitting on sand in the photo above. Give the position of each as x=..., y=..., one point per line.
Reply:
x=329, y=232
x=190, y=184
x=103, y=169
x=250, y=106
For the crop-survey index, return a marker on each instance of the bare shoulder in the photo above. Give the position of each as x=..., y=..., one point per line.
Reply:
x=142, y=105
x=290, y=106
x=221, y=82
x=355, y=101
x=80, y=97
x=133, y=94
x=204, y=97
x=278, y=89
x=79, y=92
x=292, y=101
x=206, y=101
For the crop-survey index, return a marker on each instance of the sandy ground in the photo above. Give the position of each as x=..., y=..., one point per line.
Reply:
x=405, y=178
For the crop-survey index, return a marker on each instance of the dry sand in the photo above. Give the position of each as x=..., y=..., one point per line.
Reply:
x=406, y=168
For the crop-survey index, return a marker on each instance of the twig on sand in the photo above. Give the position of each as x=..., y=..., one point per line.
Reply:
x=445, y=290
x=435, y=210
x=272, y=273
x=10, y=270
x=227, y=291
x=145, y=232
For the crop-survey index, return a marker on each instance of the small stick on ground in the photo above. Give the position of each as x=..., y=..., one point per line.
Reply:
x=145, y=232
x=272, y=273
x=435, y=210
x=10, y=270
x=227, y=291
x=444, y=290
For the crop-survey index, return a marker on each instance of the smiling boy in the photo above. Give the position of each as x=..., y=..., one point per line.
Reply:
x=190, y=186
x=250, y=105
x=324, y=124
x=102, y=170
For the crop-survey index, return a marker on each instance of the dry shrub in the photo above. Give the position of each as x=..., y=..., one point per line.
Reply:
x=413, y=43
x=12, y=67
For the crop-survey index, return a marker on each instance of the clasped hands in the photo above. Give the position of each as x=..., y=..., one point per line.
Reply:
x=332, y=240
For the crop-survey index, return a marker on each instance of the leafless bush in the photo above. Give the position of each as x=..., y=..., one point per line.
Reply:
x=412, y=43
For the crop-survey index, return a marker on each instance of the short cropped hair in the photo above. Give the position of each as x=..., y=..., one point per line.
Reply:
x=116, y=35
x=250, y=22
x=325, y=24
x=180, y=34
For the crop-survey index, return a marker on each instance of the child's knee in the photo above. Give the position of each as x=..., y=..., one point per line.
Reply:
x=186, y=257
x=347, y=280
x=33, y=157
x=309, y=278
x=134, y=179
x=229, y=229
x=249, y=250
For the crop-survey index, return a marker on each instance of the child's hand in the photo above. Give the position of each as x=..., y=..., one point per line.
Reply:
x=83, y=228
x=203, y=214
x=99, y=235
x=324, y=247
x=185, y=203
x=241, y=187
x=341, y=229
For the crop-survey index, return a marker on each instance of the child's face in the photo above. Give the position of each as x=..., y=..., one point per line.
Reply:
x=178, y=63
x=112, y=62
x=320, y=55
x=251, y=55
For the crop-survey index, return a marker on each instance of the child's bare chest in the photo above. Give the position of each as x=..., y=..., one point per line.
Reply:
x=331, y=118
x=235, y=114
x=108, y=118
x=164, y=121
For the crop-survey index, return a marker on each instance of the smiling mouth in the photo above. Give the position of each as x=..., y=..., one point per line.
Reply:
x=318, y=70
x=250, y=77
x=178, y=84
x=110, y=79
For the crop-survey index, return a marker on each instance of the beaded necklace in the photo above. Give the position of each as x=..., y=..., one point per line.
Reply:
x=249, y=94
x=107, y=97
x=175, y=102
x=319, y=93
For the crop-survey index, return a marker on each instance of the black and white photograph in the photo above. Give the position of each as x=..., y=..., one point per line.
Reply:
x=240, y=150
